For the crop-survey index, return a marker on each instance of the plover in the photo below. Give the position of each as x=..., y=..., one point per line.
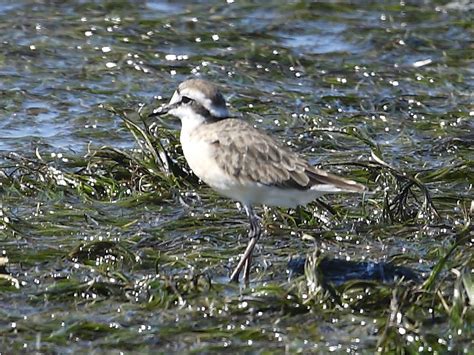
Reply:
x=243, y=163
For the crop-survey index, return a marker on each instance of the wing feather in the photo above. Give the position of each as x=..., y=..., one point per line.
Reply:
x=250, y=155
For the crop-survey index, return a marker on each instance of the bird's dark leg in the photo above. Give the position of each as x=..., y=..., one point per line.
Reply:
x=247, y=266
x=254, y=234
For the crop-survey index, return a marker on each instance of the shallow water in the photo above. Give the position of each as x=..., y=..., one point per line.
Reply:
x=105, y=252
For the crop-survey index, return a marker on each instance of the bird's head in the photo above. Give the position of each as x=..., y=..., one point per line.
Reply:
x=195, y=99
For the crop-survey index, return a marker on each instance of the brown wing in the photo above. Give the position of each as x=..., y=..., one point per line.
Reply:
x=250, y=155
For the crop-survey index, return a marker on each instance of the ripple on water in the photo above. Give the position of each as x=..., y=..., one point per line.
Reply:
x=319, y=37
x=163, y=8
x=319, y=43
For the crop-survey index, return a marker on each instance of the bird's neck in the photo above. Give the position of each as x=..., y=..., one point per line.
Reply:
x=190, y=123
x=192, y=120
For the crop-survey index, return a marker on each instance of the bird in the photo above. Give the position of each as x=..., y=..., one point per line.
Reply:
x=242, y=162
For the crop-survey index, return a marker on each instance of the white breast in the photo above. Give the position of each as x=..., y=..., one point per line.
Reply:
x=200, y=157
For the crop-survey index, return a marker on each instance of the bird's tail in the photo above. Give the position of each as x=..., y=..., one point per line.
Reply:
x=327, y=182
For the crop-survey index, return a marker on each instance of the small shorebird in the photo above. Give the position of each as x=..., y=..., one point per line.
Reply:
x=243, y=163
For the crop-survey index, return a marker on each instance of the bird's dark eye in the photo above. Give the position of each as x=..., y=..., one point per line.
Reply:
x=186, y=99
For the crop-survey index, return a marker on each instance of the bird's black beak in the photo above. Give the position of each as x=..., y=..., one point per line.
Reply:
x=160, y=111
x=163, y=110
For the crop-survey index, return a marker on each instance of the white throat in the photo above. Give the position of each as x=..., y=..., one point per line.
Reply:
x=190, y=120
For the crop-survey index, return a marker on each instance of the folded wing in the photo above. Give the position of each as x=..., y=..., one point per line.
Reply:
x=251, y=156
